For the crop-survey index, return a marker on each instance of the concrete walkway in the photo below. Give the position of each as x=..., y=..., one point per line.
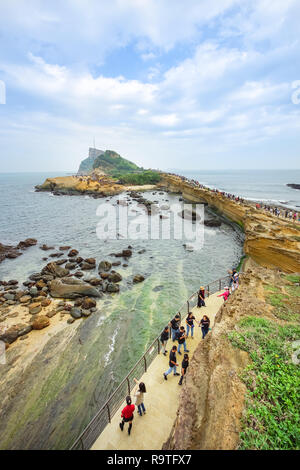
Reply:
x=151, y=430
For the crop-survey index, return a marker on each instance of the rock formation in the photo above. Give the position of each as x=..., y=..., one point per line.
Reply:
x=270, y=241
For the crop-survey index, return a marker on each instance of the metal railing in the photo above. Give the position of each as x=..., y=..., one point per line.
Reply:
x=104, y=416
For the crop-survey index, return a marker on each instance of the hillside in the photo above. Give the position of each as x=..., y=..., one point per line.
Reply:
x=111, y=162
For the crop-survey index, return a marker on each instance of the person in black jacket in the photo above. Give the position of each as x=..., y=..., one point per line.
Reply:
x=184, y=366
x=164, y=339
x=172, y=363
x=175, y=323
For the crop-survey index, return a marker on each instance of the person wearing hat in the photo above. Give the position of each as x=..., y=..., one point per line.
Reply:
x=201, y=297
x=225, y=294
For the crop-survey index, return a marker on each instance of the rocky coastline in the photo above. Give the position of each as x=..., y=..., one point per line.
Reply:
x=60, y=294
x=293, y=185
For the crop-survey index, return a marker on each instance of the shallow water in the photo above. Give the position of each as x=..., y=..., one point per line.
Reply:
x=113, y=339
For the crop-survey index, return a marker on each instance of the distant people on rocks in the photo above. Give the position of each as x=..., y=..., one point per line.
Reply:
x=181, y=335
x=175, y=323
x=127, y=414
x=184, y=366
x=139, y=396
x=172, y=363
x=204, y=323
x=201, y=297
x=164, y=339
x=225, y=294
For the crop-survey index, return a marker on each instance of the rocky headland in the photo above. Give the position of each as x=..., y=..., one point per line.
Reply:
x=293, y=185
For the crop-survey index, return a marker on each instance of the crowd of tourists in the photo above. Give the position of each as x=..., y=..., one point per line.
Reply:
x=277, y=211
x=178, y=334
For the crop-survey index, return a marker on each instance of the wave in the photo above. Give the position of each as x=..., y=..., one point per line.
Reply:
x=110, y=348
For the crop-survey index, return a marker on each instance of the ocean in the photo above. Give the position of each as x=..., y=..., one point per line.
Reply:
x=267, y=186
x=108, y=343
x=115, y=337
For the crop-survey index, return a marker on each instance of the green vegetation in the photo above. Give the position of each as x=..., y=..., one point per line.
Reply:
x=242, y=260
x=112, y=162
x=296, y=238
x=140, y=178
x=271, y=419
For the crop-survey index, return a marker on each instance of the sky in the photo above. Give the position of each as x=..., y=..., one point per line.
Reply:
x=167, y=84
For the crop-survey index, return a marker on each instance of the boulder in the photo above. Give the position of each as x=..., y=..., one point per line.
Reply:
x=86, y=313
x=35, y=308
x=25, y=298
x=115, y=277
x=88, y=303
x=40, y=322
x=90, y=261
x=56, y=270
x=73, y=253
x=86, y=266
x=212, y=223
x=75, y=312
x=138, y=278
x=112, y=288
x=45, y=302
x=95, y=281
x=104, y=266
x=46, y=248
x=104, y=275
x=10, y=335
x=26, y=243
x=64, y=248
x=70, y=266
x=70, y=288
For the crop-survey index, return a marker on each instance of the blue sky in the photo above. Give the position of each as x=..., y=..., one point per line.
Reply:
x=167, y=84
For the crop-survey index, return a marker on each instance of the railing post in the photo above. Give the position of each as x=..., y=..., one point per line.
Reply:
x=158, y=346
x=81, y=442
x=108, y=412
x=145, y=362
x=208, y=290
x=220, y=285
x=128, y=383
x=188, y=306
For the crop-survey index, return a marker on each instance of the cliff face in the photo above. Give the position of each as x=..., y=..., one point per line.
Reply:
x=270, y=241
x=213, y=395
x=102, y=186
x=86, y=166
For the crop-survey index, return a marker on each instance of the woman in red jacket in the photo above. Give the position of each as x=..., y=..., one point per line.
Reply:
x=127, y=414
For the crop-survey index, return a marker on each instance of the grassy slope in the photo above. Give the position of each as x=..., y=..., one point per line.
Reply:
x=272, y=415
x=124, y=170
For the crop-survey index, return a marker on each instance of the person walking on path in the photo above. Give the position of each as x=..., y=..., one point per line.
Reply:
x=181, y=340
x=190, y=324
x=201, y=297
x=139, y=396
x=225, y=294
x=164, y=339
x=204, y=323
x=175, y=326
x=184, y=366
x=172, y=363
x=127, y=414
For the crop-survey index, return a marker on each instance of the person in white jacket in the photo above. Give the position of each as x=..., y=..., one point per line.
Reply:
x=139, y=396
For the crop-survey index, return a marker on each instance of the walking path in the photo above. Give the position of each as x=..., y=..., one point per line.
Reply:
x=151, y=430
